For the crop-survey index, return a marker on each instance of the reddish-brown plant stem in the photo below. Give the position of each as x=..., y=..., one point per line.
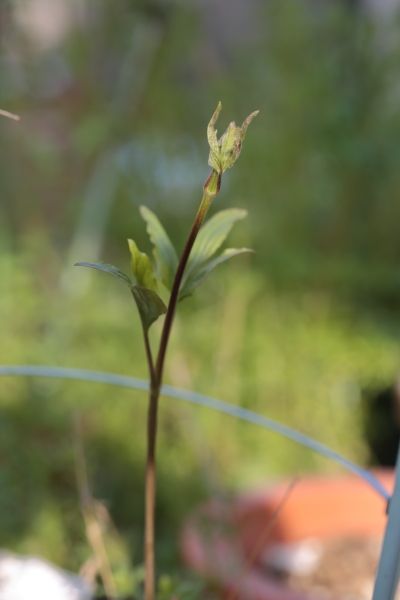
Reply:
x=211, y=189
x=150, y=495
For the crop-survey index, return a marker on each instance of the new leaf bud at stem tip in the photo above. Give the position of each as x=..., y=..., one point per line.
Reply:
x=225, y=151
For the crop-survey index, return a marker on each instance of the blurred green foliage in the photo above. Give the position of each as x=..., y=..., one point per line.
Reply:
x=114, y=105
x=114, y=111
x=300, y=358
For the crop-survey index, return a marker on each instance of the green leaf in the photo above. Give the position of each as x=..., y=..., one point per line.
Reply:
x=149, y=304
x=164, y=253
x=106, y=269
x=142, y=268
x=144, y=290
x=211, y=237
x=197, y=277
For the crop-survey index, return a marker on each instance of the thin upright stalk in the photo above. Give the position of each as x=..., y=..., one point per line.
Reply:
x=388, y=572
x=211, y=189
x=92, y=515
x=150, y=495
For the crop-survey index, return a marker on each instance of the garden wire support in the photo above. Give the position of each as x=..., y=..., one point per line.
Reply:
x=206, y=401
x=387, y=577
x=389, y=564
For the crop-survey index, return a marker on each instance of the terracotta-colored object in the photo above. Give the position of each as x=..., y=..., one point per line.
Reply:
x=225, y=543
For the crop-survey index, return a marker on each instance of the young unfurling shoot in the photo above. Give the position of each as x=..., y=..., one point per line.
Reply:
x=179, y=275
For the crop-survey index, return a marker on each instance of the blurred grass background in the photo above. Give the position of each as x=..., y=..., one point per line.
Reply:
x=114, y=100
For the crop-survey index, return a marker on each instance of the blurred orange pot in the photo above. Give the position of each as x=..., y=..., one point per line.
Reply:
x=227, y=544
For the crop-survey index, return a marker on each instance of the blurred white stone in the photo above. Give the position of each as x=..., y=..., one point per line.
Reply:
x=300, y=559
x=28, y=578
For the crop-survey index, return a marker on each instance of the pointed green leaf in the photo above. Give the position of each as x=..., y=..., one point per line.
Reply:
x=212, y=236
x=106, y=269
x=142, y=268
x=164, y=253
x=149, y=304
x=214, y=159
x=197, y=277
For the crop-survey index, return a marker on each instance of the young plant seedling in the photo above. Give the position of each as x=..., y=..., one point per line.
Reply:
x=180, y=275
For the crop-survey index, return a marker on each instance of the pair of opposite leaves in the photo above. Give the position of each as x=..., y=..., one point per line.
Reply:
x=148, y=277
